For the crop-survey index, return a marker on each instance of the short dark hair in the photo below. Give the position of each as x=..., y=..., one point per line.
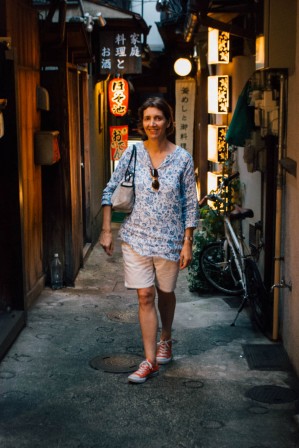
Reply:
x=160, y=104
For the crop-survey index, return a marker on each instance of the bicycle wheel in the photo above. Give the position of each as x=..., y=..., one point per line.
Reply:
x=257, y=294
x=219, y=272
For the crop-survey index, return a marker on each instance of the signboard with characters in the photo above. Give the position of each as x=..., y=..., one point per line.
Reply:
x=120, y=52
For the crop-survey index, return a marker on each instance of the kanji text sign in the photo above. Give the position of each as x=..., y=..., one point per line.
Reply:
x=120, y=52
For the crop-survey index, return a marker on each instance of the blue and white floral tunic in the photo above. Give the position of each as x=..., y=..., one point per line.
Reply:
x=159, y=218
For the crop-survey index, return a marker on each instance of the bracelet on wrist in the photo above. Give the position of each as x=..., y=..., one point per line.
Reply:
x=188, y=238
x=106, y=231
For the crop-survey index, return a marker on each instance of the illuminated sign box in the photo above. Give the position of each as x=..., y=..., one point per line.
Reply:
x=218, y=94
x=217, y=146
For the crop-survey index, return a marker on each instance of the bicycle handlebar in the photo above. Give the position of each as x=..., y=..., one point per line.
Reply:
x=227, y=180
x=214, y=197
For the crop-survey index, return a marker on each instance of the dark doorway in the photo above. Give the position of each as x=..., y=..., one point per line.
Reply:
x=12, y=314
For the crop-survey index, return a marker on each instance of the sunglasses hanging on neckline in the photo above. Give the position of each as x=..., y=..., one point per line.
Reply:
x=155, y=176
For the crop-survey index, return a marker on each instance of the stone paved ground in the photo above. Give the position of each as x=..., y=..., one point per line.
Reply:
x=51, y=397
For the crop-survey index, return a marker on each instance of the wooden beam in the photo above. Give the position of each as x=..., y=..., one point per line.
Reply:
x=235, y=30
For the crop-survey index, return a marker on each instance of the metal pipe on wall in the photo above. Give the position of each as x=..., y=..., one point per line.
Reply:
x=278, y=217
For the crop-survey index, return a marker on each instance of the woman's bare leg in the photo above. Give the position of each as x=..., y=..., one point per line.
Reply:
x=148, y=321
x=166, y=306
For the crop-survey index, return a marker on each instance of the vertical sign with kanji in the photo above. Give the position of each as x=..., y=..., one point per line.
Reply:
x=184, y=112
x=118, y=141
x=120, y=52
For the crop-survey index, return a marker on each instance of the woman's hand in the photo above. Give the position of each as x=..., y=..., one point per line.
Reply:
x=106, y=238
x=186, y=255
x=106, y=241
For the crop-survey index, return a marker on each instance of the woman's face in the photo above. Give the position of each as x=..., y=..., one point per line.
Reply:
x=154, y=123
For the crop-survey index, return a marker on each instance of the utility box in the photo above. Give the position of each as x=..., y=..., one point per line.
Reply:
x=46, y=147
x=275, y=48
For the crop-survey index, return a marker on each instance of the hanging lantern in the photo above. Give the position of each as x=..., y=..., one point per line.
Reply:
x=118, y=94
x=118, y=140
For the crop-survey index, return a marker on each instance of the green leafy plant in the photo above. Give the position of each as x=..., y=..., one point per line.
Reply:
x=196, y=279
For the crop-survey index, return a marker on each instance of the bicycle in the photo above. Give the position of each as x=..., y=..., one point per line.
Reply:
x=229, y=266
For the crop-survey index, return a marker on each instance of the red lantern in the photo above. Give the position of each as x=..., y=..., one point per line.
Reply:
x=118, y=93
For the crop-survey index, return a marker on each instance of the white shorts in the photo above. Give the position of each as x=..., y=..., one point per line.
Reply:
x=143, y=271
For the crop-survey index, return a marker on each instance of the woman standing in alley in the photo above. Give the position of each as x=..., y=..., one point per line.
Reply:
x=157, y=235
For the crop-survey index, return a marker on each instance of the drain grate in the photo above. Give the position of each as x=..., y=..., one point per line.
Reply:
x=272, y=394
x=267, y=357
x=116, y=363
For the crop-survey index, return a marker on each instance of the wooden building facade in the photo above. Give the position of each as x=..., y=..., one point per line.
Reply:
x=54, y=145
x=45, y=205
x=21, y=255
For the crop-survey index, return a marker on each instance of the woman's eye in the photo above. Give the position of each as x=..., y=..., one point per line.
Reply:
x=154, y=119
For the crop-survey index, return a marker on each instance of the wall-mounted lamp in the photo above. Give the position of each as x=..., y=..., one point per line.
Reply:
x=218, y=94
x=218, y=47
x=217, y=146
x=89, y=21
x=182, y=66
x=100, y=19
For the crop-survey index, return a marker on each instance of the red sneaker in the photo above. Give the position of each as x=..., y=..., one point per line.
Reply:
x=146, y=370
x=164, y=352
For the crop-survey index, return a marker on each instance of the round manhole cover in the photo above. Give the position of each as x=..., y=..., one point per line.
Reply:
x=272, y=394
x=117, y=363
x=128, y=316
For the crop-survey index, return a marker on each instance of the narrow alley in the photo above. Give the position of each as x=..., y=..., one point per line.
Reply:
x=64, y=381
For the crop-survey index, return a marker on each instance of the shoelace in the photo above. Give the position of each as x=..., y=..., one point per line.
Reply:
x=164, y=346
x=143, y=366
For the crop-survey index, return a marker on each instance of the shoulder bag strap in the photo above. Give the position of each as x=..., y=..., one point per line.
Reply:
x=128, y=173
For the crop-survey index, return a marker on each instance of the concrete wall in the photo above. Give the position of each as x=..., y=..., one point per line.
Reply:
x=240, y=70
x=289, y=301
